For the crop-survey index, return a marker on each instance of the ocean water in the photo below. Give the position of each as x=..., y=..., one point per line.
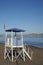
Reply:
x=34, y=41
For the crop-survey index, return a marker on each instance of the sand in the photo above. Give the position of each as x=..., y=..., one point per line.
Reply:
x=37, y=57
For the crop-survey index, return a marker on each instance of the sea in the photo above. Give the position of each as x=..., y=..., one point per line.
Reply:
x=34, y=41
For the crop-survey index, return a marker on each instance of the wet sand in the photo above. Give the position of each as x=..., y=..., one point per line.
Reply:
x=37, y=57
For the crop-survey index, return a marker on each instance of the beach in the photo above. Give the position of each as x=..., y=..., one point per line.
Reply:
x=37, y=57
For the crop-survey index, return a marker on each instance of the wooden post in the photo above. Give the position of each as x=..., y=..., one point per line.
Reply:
x=12, y=44
x=22, y=45
x=22, y=38
x=12, y=53
x=23, y=56
x=5, y=46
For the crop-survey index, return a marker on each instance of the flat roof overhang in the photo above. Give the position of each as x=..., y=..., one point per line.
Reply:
x=14, y=30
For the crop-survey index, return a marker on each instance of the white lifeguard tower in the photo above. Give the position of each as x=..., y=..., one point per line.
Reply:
x=14, y=44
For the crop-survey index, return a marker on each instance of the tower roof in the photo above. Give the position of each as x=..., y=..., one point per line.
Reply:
x=15, y=30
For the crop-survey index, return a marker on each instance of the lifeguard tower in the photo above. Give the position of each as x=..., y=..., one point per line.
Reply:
x=14, y=44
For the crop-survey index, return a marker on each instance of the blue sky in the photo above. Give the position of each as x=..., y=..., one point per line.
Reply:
x=24, y=14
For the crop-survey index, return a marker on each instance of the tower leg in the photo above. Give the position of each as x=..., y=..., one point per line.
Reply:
x=23, y=55
x=12, y=54
x=5, y=53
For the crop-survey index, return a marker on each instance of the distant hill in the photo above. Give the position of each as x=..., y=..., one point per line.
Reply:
x=30, y=35
x=34, y=35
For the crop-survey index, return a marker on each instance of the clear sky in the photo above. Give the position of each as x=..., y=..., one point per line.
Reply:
x=24, y=14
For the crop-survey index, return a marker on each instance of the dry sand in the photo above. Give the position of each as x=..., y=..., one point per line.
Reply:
x=37, y=58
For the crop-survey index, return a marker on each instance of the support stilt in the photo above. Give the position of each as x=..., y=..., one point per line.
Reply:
x=23, y=56
x=5, y=53
x=12, y=54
